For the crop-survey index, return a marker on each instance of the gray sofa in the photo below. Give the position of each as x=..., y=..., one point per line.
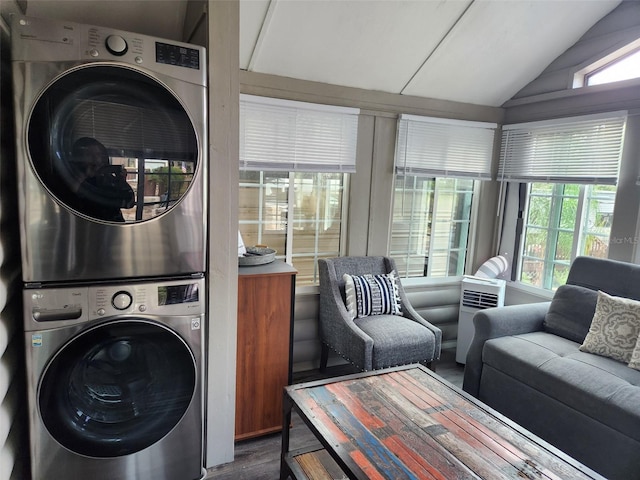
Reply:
x=525, y=362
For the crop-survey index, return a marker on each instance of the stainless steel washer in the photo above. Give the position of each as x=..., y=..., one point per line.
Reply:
x=115, y=380
x=111, y=145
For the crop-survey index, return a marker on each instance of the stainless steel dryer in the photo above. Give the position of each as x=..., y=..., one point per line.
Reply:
x=111, y=143
x=115, y=381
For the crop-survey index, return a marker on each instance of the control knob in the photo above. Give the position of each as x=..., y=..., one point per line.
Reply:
x=116, y=45
x=122, y=300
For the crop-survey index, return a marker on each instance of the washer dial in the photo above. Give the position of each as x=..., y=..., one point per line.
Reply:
x=121, y=300
x=116, y=45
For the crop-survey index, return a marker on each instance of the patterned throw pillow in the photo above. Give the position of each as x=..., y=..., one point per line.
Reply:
x=635, y=356
x=615, y=328
x=368, y=295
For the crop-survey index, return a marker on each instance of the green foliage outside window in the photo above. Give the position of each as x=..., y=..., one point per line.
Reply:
x=563, y=221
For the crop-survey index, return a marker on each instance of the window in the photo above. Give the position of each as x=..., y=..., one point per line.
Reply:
x=431, y=221
x=571, y=168
x=299, y=214
x=564, y=221
x=625, y=68
x=294, y=163
x=437, y=164
x=622, y=64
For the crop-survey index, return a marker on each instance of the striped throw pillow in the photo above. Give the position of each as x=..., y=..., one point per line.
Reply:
x=368, y=295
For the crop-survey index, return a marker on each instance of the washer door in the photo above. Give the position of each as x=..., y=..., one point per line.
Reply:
x=117, y=388
x=112, y=144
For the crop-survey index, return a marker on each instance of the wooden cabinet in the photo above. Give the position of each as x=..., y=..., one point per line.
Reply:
x=265, y=330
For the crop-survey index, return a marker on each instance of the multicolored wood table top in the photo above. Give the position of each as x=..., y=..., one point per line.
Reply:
x=408, y=423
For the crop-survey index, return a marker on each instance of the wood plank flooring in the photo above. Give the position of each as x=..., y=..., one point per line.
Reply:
x=259, y=459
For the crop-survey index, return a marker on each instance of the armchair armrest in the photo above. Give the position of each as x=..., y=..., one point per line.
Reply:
x=337, y=328
x=494, y=323
x=341, y=333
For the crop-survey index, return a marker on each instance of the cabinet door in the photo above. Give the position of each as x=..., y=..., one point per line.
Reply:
x=264, y=328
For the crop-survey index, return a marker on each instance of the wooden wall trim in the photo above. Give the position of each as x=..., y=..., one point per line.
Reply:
x=223, y=54
x=580, y=101
x=302, y=90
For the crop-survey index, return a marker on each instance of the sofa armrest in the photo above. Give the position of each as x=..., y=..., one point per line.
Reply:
x=494, y=323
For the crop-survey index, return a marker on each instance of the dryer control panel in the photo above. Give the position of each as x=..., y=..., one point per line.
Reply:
x=62, y=306
x=62, y=41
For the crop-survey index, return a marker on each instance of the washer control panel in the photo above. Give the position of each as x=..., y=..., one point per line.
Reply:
x=110, y=300
x=84, y=303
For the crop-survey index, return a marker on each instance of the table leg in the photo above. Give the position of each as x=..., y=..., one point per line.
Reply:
x=287, y=405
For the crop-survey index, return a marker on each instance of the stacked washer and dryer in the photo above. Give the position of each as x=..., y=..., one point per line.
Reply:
x=111, y=142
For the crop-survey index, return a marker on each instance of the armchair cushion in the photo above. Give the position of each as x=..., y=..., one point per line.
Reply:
x=397, y=340
x=371, y=295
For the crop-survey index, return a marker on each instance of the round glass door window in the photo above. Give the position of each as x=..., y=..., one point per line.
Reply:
x=117, y=389
x=112, y=144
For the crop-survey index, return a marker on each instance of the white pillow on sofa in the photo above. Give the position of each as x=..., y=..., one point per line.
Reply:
x=614, y=329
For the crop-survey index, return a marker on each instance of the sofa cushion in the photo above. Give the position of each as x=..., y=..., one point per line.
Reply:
x=615, y=328
x=601, y=388
x=614, y=277
x=571, y=312
x=372, y=295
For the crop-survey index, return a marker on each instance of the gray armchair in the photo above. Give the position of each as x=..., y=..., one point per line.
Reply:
x=376, y=341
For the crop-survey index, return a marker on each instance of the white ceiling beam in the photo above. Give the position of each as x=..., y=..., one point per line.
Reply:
x=453, y=26
x=264, y=29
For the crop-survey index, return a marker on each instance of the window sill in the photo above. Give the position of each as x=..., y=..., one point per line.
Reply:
x=518, y=293
x=430, y=281
x=407, y=283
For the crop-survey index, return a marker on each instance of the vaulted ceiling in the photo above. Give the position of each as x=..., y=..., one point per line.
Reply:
x=474, y=51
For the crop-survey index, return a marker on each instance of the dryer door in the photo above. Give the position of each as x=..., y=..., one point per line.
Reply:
x=112, y=144
x=118, y=388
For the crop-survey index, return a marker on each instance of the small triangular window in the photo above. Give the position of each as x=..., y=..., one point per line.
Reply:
x=624, y=68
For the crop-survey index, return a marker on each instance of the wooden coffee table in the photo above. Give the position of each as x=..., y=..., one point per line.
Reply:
x=408, y=423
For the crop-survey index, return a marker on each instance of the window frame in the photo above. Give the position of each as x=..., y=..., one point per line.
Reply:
x=589, y=76
x=442, y=148
x=289, y=234
x=295, y=139
x=468, y=234
x=579, y=231
x=581, y=75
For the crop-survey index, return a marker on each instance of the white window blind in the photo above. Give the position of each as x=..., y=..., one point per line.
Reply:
x=583, y=149
x=441, y=147
x=284, y=135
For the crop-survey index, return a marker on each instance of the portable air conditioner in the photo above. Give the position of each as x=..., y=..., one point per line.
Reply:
x=477, y=294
